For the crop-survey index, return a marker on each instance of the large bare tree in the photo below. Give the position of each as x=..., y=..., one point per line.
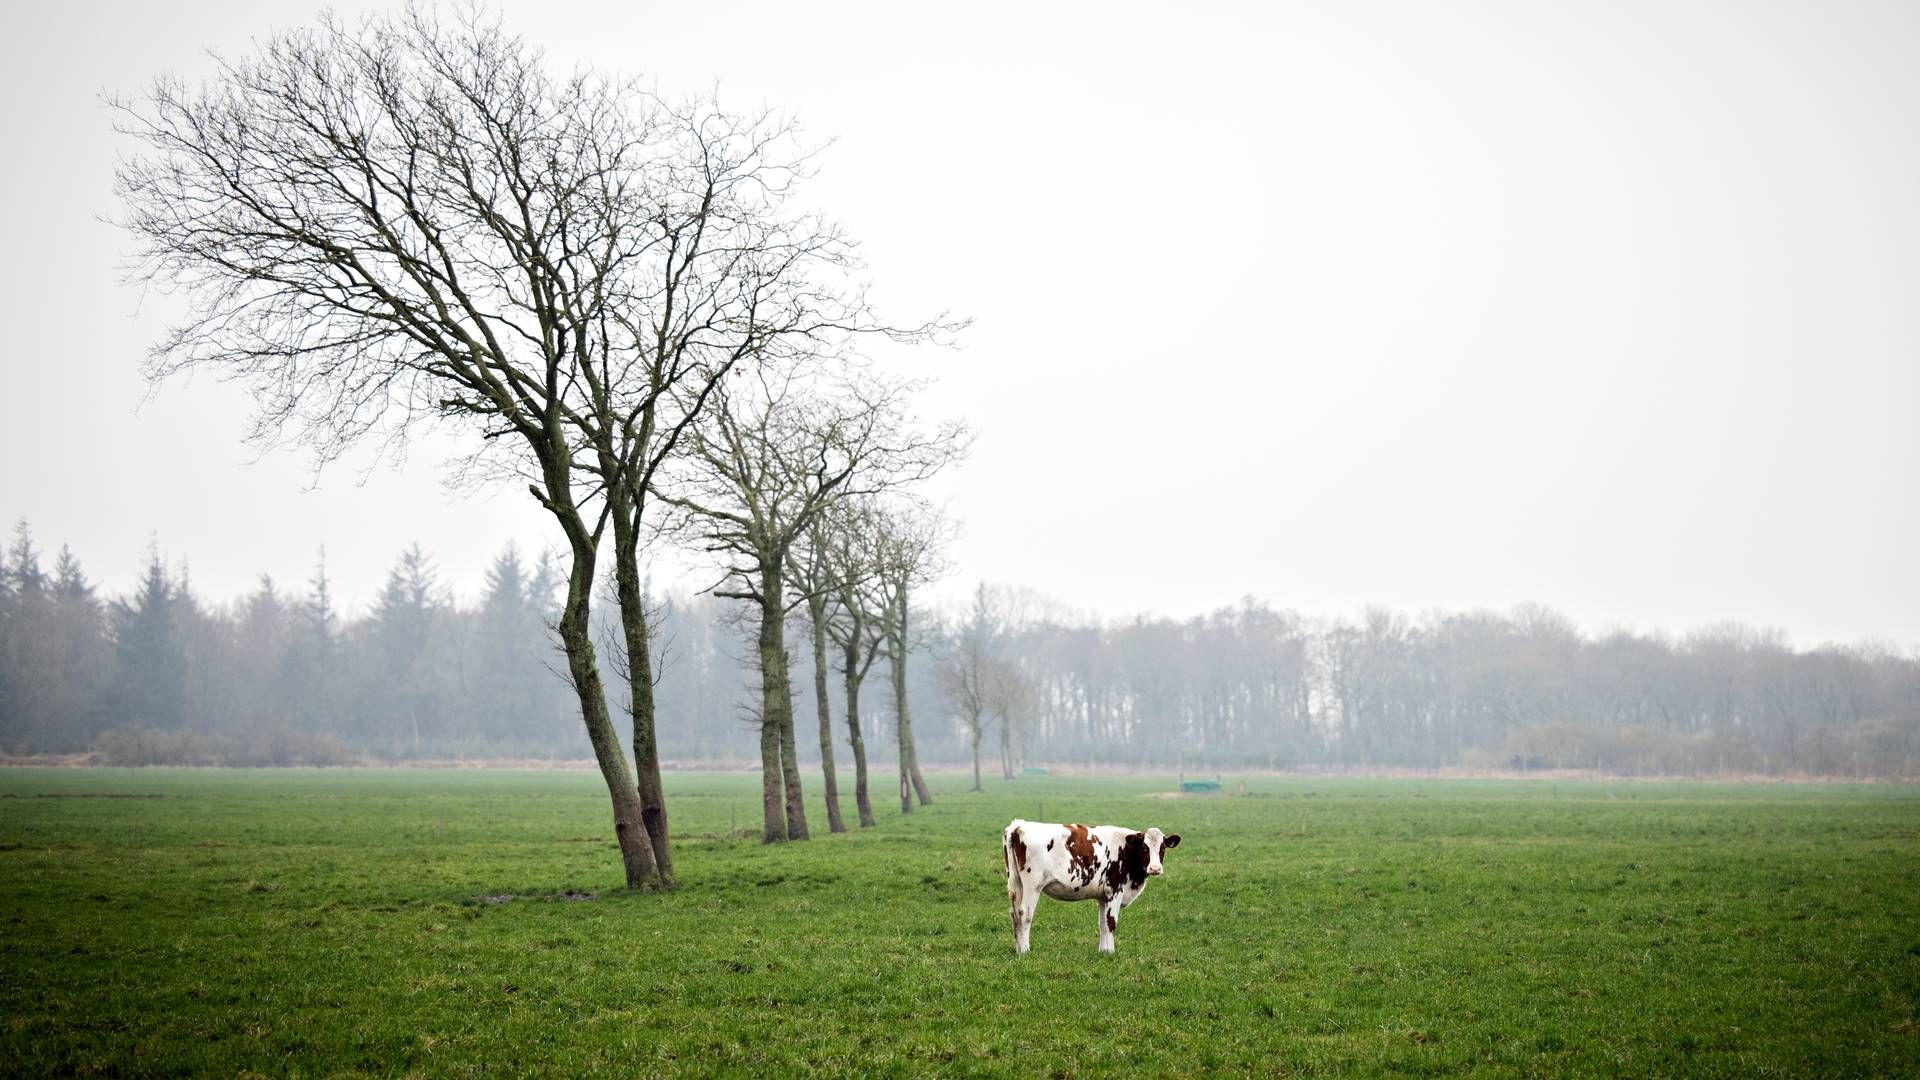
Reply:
x=404, y=220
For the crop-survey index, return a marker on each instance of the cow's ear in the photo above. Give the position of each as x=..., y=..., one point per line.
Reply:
x=1173, y=841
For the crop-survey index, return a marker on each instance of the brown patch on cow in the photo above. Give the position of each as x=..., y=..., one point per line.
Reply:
x=1113, y=921
x=1080, y=851
x=1019, y=847
x=1131, y=866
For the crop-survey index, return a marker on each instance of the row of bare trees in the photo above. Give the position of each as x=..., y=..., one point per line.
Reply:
x=406, y=219
x=1253, y=686
x=804, y=494
x=284, y=676
x=986, y=683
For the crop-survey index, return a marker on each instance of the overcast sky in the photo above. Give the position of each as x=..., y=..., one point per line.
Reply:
x=1610, y=307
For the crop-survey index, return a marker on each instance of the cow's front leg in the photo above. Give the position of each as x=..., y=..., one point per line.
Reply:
x=1109, y=920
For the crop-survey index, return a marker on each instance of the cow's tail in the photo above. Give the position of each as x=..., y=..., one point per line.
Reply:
x=1013, y=849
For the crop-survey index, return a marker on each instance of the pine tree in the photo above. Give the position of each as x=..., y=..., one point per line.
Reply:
x=209, y=699
x=28, y=580
x=311, y=664
x=10, y=713
x=501, y=646
x=554, y=719
x=35, y=682
x=404, y=695
x=150, y=666
x=260, y=656
x=81, y=657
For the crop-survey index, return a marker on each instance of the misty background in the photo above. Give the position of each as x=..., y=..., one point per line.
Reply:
x=1548, y=375
x=283, y=676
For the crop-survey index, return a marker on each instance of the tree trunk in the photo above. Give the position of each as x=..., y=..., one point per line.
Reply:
x=903, y=729
x=790, y=769
x=629, y=823
x=817, y=611
x=785, y=814
x=976, y=753
x=646, y=742
x=853, y=674
x=897, y=660
x=773, y=824
x=1006, y=747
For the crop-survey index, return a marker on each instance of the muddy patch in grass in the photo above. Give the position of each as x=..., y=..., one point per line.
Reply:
x=569, y=896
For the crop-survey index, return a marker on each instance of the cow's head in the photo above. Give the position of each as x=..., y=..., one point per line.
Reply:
x=1157, y=844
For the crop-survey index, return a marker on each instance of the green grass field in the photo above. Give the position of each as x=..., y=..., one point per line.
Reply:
x=309, y=923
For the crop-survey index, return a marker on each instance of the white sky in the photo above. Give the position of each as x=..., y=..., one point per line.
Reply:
x=1611, y=307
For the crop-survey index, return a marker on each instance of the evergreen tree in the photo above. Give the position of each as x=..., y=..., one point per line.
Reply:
x=554, y=720
x=543, y=589
x=310, y=664
x=45, y=700
x=260, y=656
x=405, y=694
x=210, y=698
x=28, y=580
x=12, y=717
x=502, y=687
x=81, y=658
x=150, y=667
x=69, y=581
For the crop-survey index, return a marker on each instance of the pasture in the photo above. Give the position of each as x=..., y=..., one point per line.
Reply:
x=319, y=923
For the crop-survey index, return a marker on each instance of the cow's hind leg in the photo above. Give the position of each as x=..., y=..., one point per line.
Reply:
x=1016, y=895
x=1023, y=915
x=1015, y=900
x=1109, y=921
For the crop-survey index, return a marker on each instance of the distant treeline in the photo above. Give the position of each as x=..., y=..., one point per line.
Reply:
x=282, y=676
x=1255, y=686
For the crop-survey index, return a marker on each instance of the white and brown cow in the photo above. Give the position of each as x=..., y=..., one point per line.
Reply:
x=1106, y=863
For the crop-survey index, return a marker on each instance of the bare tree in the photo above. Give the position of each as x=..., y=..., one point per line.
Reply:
x=846, y=539
x=777, y=448
x=909, y=542
x=965, y=671
x=734, y=277
x=817, y=576
x=1010, y=696
x=405, y=220
x=809, y=571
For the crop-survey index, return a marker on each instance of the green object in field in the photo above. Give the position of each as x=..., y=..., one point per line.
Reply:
x=1199, y=786
x=1033, y=770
